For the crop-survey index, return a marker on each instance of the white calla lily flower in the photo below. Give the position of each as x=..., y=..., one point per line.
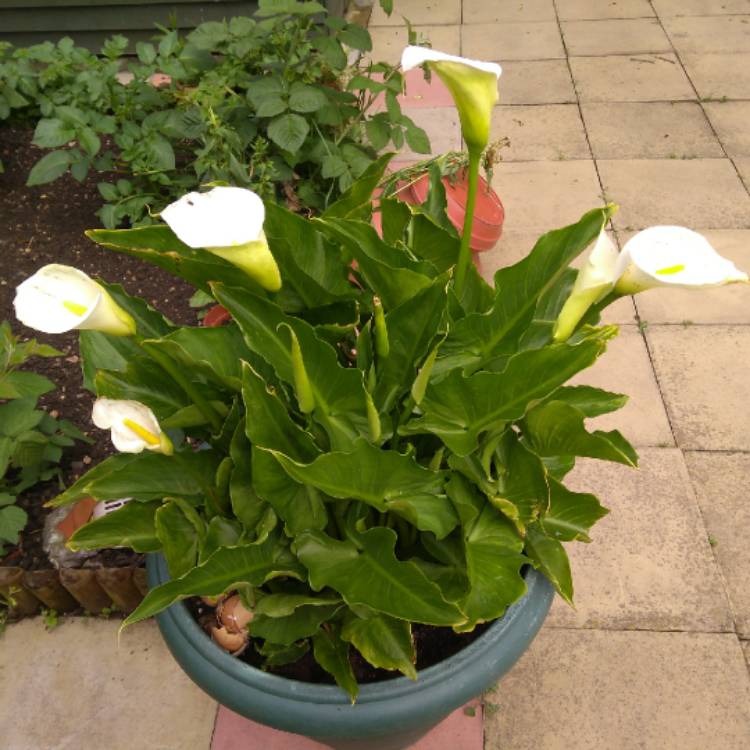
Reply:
x=228, y=222
x=672, y=256
x=133, y=425
x=61, y=298
x=472, y=84
x=658, y=256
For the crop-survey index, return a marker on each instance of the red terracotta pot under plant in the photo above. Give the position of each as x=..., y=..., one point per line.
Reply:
x=489, y=213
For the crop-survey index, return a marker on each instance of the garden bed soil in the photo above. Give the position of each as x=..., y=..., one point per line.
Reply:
x=43, y=225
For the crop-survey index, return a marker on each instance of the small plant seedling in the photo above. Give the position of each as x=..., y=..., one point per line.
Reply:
x=643, y=326
x=51, y=618
x=712, y=540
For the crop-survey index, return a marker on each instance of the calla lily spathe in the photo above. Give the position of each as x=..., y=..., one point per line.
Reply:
x=60, y=298
x=659, y=256
x=472, y=84
x=133, y=425
x=228, y=222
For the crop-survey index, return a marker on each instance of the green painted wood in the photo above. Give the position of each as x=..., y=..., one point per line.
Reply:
x=90, y=22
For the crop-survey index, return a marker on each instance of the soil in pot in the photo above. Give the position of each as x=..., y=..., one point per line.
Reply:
x=432, y=645
x=43, y=225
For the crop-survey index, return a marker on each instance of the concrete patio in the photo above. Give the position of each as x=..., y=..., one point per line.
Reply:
x=646, y=104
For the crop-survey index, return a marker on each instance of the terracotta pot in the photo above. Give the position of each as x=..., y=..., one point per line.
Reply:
x=216, y=316
x=489, y=213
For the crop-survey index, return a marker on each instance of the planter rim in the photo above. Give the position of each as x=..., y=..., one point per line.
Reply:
x=518, y=626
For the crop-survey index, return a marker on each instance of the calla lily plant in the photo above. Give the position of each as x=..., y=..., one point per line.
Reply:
x=379, y=437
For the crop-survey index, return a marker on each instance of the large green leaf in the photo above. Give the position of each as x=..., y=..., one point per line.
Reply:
x=132, y=525
x=433, y=243
x=142, y=380
x=389, y=271
x=267, y=422
x=478, y=338
x=18, y=384
x=571, y=514
x=367, y=473
x=101, y=351
x=311, y=266
x=228, y=567
x=550, y=557
x=145, y=476
x=384, y=641
x=493, y=555
x=372, y=575
x=458, y=408
x=591, y=401
x=158, y=245
x=557, y=429
x=339, y=393
x=302, y=623
x=247, y=506
x=333, y=655
x=179, y=538
x=411, y=328
x=12, y=522
x=300, y=507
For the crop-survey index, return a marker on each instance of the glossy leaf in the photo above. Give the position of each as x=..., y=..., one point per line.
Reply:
x=571, y=515
x=549, y=556
x=133, y=525
x=333, y=655
x=229, y=566
x=247, y=505
x=384, y=641
x=302, y=623
x=374, y=576
x=478, y=338
x=145, y=476
x=179, y=539
x=355, y=202
x=458, y=409
x=591, y=401
x=557, y=429
x=367, y=473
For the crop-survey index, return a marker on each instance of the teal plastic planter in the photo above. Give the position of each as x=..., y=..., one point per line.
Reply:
x=388, y=715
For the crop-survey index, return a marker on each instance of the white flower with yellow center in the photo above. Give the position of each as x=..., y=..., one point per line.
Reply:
x=228, y=222
x=472, y=84
x=60, y=298
x=658, y=256
x=133, y=425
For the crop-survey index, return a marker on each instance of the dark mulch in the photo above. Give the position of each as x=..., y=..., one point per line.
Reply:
x=43, y=225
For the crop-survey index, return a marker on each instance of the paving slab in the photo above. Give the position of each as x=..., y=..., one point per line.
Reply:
x=432, y=12
x=702, y=372
x=699, y=34
x=630, y=78
x=651, y=130
x=727, y=305
x=746, y=649
x=534, y=40
x=568, y=10
x=730, y=120
x=700, y=7
x=551, y=132
x=536, y=82
x=615, y=37
x=605, y=690
x=544, y=195
x=703, y=193
x=74, y=688
x=719, y=77
x=649, y=566
x=743, y=168
x=388, y=42
x=490, y=11
x=722, y=485
x=626, y=368
x=462, y=730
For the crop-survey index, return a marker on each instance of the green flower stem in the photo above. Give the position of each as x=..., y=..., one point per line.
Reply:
x=464, y=254
x=191, y=391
